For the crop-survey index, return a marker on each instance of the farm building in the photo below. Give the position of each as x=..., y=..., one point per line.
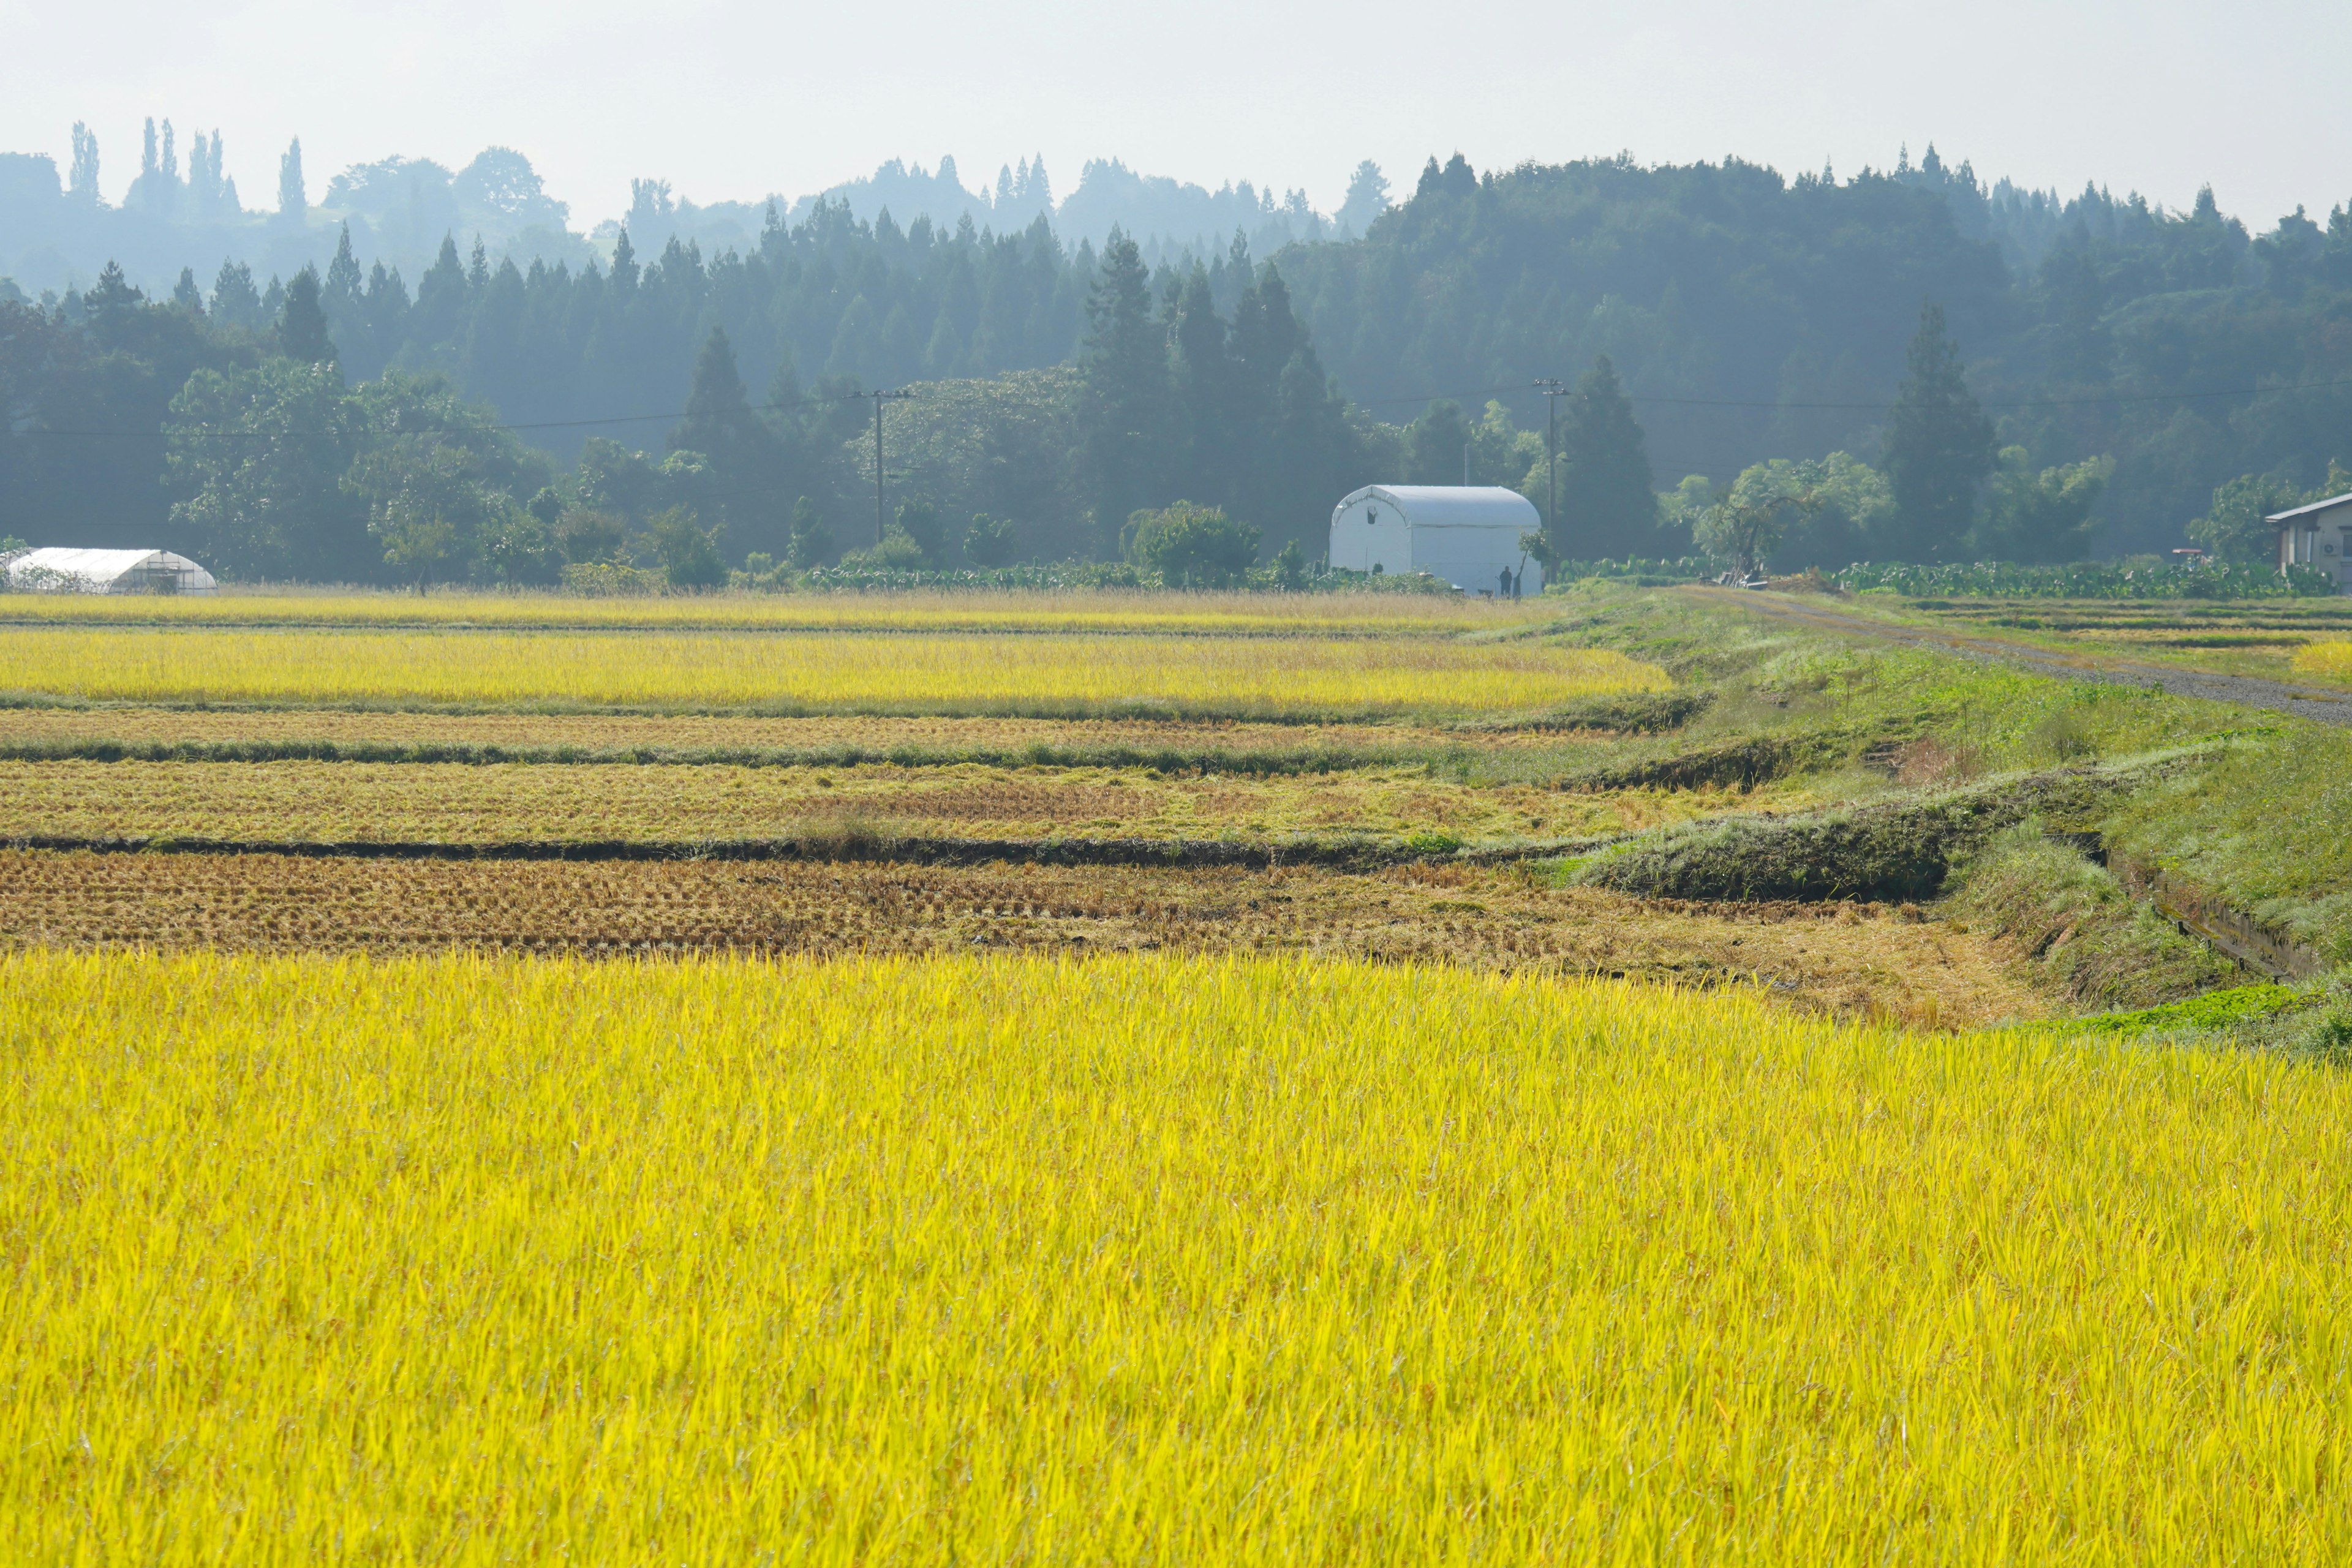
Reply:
x=2318, y=535
x=106, y=572
x=1467, y=535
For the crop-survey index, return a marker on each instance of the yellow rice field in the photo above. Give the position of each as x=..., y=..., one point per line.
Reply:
x=1384, y=614
x=1209, y=1260
x=1049, y=673
x=2328, y=659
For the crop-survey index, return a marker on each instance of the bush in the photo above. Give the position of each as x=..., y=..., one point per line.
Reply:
x=1191, y=546
x=689, y=554
x=992, y=542
x=520, y=548
x=898, y=552
x=585, y=535
x=610, y=579
x=811, y=541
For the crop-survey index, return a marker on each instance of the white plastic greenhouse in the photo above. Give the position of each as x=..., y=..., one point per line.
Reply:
x=56, y=571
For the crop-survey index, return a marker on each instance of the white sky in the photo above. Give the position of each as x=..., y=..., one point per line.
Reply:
x=730, y=99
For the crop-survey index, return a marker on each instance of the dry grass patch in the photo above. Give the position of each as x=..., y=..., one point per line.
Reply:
x=689, y=732
x=450, y=803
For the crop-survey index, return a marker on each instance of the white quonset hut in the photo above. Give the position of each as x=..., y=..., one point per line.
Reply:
x=1467, y=535
x=106, y=572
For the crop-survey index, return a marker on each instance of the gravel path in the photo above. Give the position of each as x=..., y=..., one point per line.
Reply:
x=2326, y=705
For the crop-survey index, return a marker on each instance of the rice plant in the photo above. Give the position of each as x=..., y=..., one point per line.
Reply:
x=1052, y=674
x=1202, y=1260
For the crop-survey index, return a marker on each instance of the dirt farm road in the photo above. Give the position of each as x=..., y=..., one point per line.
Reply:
x=2324, y=704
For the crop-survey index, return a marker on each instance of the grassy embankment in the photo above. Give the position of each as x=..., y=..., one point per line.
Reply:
x=1927, y=759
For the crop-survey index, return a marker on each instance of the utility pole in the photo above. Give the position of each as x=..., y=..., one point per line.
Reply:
x=880, y=397
x=1552, y=391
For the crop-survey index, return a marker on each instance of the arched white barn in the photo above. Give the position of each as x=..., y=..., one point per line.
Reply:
x=1466, y=534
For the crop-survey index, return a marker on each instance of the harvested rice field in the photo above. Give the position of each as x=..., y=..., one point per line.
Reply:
x=1855, y=961
x=945, y=739
x=450, y=803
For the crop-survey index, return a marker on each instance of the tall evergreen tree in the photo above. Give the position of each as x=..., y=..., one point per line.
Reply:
x=83, y=180
x=441, y=298
x=113, y=311
x=1939, y=448
x=1299, y=446
x=341, y=285
x=1123, y=393
x=302, y=334
x=1606, y=505
x=1196, y=340
x=749, y=490
x=293, y=201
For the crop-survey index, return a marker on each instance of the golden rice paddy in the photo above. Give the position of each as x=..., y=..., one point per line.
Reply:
x=945, y=673
x=472, y=1260
x=1075, y=611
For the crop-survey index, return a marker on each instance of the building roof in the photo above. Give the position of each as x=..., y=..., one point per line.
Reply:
x=2286, y=516
x=1452, y=506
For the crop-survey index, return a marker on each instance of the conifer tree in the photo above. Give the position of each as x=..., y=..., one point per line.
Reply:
x=302, y=334
x=1123, y=392
x=235, y=302
x=342, y=282
x=293, y=201
x=1607, y=507
x=1939, y=448
x=1196, y=337
x=83, y=181
x=745, y=458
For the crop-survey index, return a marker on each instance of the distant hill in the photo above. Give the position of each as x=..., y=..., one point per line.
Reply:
x=54, y=235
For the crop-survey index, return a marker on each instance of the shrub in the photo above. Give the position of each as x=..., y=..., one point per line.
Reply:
x=811, y=541
x=689, y=554
x=992, y=542
x=1191, y=546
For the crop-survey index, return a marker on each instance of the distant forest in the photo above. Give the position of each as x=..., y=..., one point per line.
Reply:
x=2083, y=374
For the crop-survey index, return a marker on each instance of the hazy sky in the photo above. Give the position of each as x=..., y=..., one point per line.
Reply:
x=729, y=99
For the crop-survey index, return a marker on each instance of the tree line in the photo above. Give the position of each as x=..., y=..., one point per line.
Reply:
x=1063, y=393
